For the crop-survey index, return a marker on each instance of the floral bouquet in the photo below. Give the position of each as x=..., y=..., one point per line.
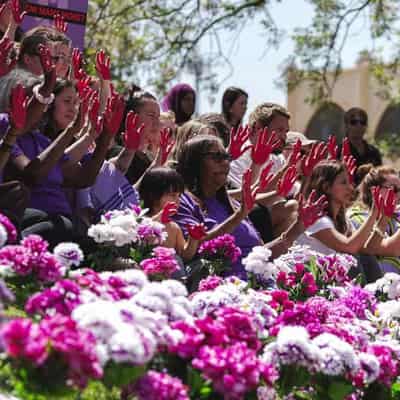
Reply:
x=218, y=254
x=162, y=265
x=123, y=233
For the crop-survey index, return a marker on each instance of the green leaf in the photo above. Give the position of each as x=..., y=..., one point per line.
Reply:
x=339, y=390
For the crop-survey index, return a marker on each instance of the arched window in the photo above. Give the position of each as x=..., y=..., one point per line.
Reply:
x=327, y=120
x=389, y=125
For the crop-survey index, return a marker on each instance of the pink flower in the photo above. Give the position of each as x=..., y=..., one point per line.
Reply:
x=164, y=263
x=10, y=228
x=210, y=283
x=222, y=247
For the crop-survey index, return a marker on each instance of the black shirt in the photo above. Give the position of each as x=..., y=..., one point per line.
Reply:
x=371, y=155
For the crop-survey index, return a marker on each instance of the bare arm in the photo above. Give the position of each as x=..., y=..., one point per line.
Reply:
x=123, y=160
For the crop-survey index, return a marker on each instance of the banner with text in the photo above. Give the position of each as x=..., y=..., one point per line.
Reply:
x=41, y=12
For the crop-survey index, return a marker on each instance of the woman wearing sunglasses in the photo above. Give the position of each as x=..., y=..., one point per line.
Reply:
x=204, y=165
x=356, y=123
x=387, y=249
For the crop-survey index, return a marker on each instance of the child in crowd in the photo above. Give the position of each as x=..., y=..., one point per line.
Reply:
x=160, y=190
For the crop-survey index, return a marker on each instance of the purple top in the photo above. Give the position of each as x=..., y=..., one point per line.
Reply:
x=48, y=195
x=246, y=236
x=173, y=98
x=111, y=191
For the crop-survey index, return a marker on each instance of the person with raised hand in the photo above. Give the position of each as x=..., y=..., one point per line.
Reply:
x=60, y=24
x=160, y=190
x=381, y=186
x=333, y=232
x=7, y=63
x=204, y=166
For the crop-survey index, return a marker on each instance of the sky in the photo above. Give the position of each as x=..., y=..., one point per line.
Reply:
x=257, y=73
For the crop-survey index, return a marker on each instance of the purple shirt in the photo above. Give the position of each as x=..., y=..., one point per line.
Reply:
x=48, y=195
x=246, y=236
x=111, y=191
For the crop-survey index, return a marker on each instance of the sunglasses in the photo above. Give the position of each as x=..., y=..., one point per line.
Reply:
x=218, y=156
x=355, y=122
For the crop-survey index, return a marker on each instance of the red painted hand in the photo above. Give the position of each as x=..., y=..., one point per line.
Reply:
x=103, y=64
x=197, y=231
x=60, y=24
x=389, y=203
x=133, y=133
x=317, y=153
x=286, y=183
x=45, y=59
x=266, y=144
x=18, y=107
x=17, y=11
x=351, y=166
x=346, y=151
x=6, y=64
x=248, y=195
x=77, y=61
x=238, y=138
x=166, y=144
x=113, y=115
x=333, y=148
x=265, y=178
x=378, y=198
x=168, y=211
x=295, y=156
x=311, y=210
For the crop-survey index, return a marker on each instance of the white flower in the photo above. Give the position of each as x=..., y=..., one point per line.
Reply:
x=371, y=367
x=3, y=236
x=6, y=271
x=257, y=262
x=176, y=288
x=68, y=254
x=100, y=233
x=388, y=310
x=266, y=393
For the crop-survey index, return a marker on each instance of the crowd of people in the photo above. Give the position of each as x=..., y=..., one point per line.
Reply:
x=73, y=148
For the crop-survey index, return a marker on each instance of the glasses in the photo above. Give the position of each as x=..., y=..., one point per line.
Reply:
x=218, y=156
x=355, y=122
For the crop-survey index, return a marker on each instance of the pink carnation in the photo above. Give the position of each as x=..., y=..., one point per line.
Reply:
x=210, y=283
x=164, y=263
x=222, y=247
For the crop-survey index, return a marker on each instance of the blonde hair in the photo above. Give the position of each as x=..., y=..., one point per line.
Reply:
x=167, y=116
x=265, y=113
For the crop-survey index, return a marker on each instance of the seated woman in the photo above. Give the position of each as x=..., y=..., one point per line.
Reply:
x=234, y=106
x=204, y=165
x=386, y=245
x=332, y=233
x=43, y=162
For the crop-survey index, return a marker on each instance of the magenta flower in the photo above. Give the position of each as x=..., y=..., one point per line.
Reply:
x=222, y=247
x=163, y=264
x=157, y=386
x=10, y=228
x=210, y=283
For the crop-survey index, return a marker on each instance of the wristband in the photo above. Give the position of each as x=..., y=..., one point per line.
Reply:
x=40, y=98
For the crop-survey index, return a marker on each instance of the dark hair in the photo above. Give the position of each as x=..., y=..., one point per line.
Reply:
x=40, y=35
x=355, y=110
x=228, y=99
x=137, y=98
x=376, y=176
x=50, y=129
x=323, y=175
x=190, y=163
x=159, y=181
x=218, y=122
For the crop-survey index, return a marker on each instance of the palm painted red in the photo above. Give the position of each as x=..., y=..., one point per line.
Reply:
x=286, y=183
x=60, y=24
x=238, y=138
x=266, y=144
x=197, y=231
x=346, y=150
x=265, y=177
x=17, y=11
x=18, y=107
x=113, y=115
x=248, y=195
x=317, y=154
x=133, y=133
x=312, y=209
x=169, y=210
x=351, y=167
x=166, y=144
x=103, y=65
x=295, y=155
x=333, y=148
x=6, y=62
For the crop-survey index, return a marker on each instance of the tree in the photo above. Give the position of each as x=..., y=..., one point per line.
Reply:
x=152, y=41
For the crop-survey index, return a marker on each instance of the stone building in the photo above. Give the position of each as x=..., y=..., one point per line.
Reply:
x=356, y=87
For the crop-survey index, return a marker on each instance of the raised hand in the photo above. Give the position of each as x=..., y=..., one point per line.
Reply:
x=378, y=198
x=265, y=178
x=389, y=203
x=166, y=144
x=286, y=183
x=133, y=133
x=351, y=166
x=113, y=115
x=317, y=153
x=312, y=209
x=83, y=86
x=266, y=144
x=346, y=151
x=45, y=59
x=237, y=140
x=248, y=195
x=60, y=24
x=18, y=107
x=295, y=156
x=333, y=148
x=17, y=11
x=197, y=231
x=6, y=63
x=103, y=63
x=77, y=62
x=168, y=211
x=94, y=117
